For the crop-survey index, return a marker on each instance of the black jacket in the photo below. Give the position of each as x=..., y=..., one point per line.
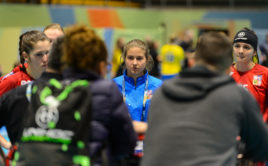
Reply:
x=112, y=128
x=111, y=125
x=14, y=103
x=195, y=119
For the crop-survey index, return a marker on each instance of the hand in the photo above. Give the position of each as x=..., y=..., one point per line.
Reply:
x=140, y=127
x=7, y=145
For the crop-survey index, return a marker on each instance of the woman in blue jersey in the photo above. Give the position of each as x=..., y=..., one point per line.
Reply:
x=136, y=85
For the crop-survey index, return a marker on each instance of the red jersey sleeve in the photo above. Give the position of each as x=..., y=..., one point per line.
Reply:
x=12, y=81
x=6, y=85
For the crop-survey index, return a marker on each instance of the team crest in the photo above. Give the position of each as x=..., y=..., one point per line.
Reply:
x=257, y=80
x=46, y=115
x=148, y=94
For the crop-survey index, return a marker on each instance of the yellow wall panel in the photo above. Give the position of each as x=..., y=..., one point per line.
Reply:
x=9, y=42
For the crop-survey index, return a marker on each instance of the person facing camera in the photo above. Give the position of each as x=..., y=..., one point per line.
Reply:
x=34, y=47
x=248, y=74
x=137, y=88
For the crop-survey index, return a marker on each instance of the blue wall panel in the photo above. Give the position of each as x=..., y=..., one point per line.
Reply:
x=62, y=16
x=258, y=19
x=108, y=39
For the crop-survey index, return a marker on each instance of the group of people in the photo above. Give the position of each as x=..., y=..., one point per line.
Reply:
x=194, y=118
x=77, y=54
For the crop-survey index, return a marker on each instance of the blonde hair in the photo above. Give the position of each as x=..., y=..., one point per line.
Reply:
x=53, y=26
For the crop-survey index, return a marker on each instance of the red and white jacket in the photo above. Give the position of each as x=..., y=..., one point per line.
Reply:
x=256, y=82
x=13, y=79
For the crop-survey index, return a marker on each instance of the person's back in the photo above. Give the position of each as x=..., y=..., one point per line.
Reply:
x=109, y=117
x=202, y=111
x=172, y=57
x=112, y=134
x=13, y=105
x=56, y=122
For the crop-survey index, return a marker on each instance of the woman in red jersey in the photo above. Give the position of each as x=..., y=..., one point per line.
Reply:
x=34, y=47
x=248, y=74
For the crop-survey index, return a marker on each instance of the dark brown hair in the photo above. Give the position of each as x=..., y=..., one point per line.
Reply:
x=54, y=58
x=27, y=41
x=215, y=49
